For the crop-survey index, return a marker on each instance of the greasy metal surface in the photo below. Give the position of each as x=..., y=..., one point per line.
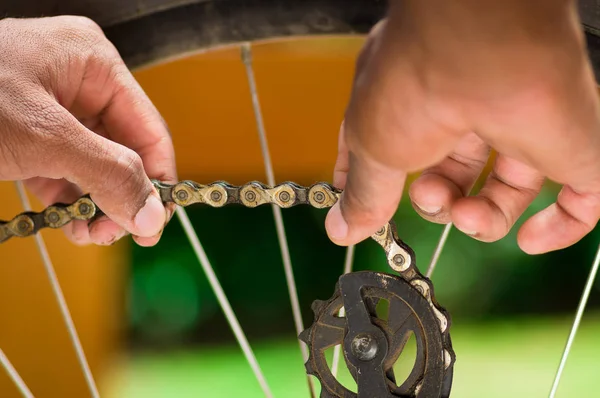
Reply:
x=411, y=289
x=383, y=340
x=320, y=195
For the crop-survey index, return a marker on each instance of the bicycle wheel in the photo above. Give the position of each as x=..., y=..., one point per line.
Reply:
x=198, y=26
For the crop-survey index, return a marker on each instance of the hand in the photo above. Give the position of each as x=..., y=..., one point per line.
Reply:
x=438, y=85
x=73, y=120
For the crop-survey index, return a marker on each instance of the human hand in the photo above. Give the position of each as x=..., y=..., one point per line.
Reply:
x=73, y=120
x=440, y=83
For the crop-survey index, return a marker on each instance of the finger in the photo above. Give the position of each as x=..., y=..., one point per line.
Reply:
x=148, y=242
x=561, y=224
x=106, y=232
x=342, y=164
x=387, y=135
x=113, y=174
x=437, y=188
x=127, y=114
x=370, y=198
x=49, y=192
x=508, y=191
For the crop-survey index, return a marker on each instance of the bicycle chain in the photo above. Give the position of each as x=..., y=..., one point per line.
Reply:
x=400, y=256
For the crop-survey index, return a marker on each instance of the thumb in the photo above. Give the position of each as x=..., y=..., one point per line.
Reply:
x=386, y=135
x=113, y=175
x=369, y=200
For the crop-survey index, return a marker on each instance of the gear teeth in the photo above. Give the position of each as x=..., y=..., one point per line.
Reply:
x=304, y=336
x=310, y=369
x=317, y=306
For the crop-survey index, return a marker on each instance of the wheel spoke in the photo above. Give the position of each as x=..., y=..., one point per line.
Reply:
x=60, y=299
x=14, y=376
x=438, y=250
x=580, y=309
x=335, y=363
x=246, y=50
x=222, y=298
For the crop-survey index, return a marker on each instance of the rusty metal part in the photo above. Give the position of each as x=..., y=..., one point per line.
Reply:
x=372, y=345
x=375, y=343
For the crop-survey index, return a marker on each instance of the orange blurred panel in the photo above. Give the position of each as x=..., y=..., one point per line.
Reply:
x=203, y=99
x=303, y=87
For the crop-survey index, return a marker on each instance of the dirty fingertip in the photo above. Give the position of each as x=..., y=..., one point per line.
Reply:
x=151, y=218
x=336, y=225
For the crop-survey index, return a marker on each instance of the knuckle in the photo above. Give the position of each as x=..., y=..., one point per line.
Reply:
x=51, y=44
x=128, y=165
x=78, y=36
x=77, y=28
x=127, y=172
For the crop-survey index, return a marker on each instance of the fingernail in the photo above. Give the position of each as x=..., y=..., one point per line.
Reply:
x=150, y=220
x=467, y=232
x=337, y=226
x=116, y=238
x=429, y=210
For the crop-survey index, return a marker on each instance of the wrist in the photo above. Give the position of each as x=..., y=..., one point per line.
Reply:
x=499, y=44
x=531, y=21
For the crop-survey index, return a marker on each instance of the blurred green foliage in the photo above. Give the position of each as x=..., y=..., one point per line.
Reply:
x=171, y=302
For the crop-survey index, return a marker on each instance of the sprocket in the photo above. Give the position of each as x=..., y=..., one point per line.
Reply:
x=372, y=345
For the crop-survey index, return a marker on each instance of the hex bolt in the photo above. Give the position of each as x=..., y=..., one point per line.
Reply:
x=364, y=347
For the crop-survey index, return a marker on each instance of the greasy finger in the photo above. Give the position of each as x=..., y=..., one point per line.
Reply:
x=508, y=191
x=127, y=115
x=387, y=135
x=561, y=224
x=370, y=198
x=342, y=163
x=113, y=174
x=438, y=187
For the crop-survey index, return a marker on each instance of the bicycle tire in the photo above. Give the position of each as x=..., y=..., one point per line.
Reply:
x=148, y=31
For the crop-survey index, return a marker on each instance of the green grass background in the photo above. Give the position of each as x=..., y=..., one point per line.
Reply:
x=515, y=358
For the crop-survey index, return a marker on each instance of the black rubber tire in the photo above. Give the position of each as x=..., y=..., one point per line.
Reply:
x=147, y=31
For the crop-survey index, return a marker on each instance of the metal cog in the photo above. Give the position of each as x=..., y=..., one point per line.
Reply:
x=372, y=345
